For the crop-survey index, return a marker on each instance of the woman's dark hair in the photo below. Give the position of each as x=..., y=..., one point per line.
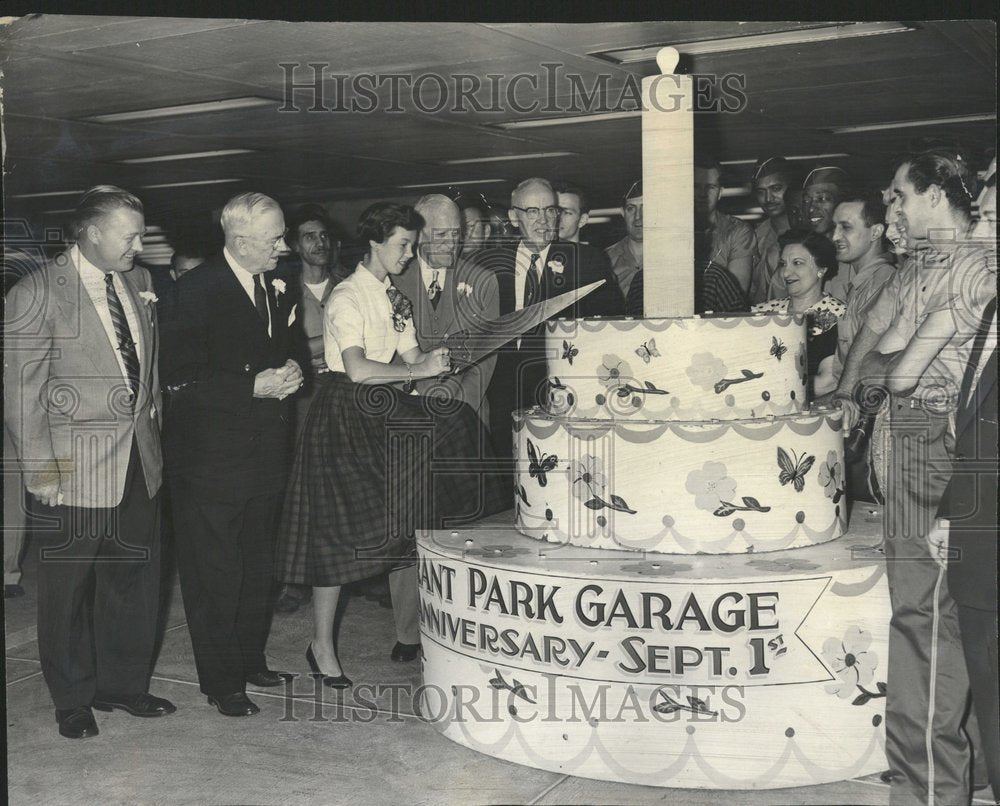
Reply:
x=949, y=171
x=379, y=220
x=819, y=246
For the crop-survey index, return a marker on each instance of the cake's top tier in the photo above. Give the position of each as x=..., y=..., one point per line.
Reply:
x=691, y=368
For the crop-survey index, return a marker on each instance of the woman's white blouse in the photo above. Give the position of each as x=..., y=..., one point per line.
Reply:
x=359, y=314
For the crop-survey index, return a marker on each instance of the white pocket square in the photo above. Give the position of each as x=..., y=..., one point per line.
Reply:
x=291, y=316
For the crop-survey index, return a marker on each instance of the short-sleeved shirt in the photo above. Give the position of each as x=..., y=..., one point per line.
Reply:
x=862, y=294
x=359, y=314
x=731, y=239
x=960, y=278
x=766, y=281
x=623, y=264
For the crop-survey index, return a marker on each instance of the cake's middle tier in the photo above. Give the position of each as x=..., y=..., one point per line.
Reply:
x=723, y=487
x=689, y=368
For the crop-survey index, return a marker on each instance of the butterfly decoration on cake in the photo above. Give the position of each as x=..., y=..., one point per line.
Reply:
x=794, y=472
x=647, y=351
x=569, y=352
x=778, y=348
x=538, y=467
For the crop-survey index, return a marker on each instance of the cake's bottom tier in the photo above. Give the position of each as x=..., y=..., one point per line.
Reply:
x=718, y=487
x=718, y=673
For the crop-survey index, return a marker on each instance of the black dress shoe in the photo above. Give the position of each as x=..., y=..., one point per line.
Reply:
x=76, y=723
x=265, y=678
x=144, y=704
x=404, y=653
x=238, y=704
x=340, y=681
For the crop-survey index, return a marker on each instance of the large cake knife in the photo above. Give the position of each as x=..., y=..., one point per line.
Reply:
x=473, y=343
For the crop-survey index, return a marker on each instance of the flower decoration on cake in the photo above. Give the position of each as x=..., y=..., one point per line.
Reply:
x=612, y=371
x=705, y=370
x=831, y=477
x=710, y=486
x=852, y=660
x=782, y=564
x=590, y=486
x=588, y=475
x=657, y=568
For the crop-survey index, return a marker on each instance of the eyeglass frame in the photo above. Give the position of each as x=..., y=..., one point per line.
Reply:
x=274, y=241
x=552, y=210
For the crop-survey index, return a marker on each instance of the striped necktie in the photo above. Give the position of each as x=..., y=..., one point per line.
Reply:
x=434, y=290
x=531, y=284
x=126, y=346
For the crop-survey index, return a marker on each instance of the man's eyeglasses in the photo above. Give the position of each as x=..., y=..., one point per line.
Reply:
x=535, y=212
x=274, y=242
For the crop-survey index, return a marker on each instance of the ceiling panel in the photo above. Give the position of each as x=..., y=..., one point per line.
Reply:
x=58, y=69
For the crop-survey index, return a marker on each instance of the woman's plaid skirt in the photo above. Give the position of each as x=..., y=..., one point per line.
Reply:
x=373, y=466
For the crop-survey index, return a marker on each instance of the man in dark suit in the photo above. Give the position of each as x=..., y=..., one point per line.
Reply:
x=538, y=267
x=227, y=364
x=970, y=505
x=82, y=413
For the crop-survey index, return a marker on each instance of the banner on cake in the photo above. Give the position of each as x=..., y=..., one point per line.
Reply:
x=623, y=630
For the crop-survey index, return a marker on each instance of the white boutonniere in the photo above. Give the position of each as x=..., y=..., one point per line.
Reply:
x=556, y=265
x=148, y=296
x=464, y=288
x=278, y=285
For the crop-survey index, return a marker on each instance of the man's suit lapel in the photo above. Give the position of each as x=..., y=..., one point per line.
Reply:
x=75, y=305
x=241, y=307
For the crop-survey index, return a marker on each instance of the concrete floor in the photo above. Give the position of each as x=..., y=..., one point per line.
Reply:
x=294, y=751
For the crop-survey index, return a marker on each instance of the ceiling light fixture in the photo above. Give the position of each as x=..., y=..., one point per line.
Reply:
x=449, y=184
x=911, y=124
x=47, y=194
x=507, y=157
x=797, y=36
x=839, y=155
x=193, y=155
x=535, y=123
x=191, y=184
x=223, y=105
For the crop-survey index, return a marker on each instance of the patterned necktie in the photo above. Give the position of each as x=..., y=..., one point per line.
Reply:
x=126, y=347
x=531, y=283
x=434, y=290
x=260, y=298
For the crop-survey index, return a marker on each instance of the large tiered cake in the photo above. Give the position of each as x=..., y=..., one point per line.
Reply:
x=583, y=643
x=679, y=436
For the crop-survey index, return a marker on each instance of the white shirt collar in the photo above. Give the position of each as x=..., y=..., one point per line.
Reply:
x=524, y=253
x=427, y=272
x=368, y=277
x=88, y=271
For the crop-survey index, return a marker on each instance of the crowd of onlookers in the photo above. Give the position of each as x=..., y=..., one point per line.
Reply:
x=259, y=356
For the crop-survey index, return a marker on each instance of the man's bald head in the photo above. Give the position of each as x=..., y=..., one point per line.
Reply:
x=441, y=235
